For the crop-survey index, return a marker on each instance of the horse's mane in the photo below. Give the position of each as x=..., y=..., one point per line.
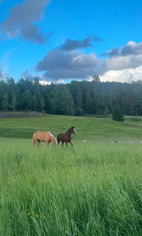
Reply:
x=53, y=136
x=69, y=129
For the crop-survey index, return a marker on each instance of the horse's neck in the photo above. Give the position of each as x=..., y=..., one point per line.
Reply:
x=68, y=133
x=54, y=141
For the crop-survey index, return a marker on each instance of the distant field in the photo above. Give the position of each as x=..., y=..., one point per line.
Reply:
x=88, y=128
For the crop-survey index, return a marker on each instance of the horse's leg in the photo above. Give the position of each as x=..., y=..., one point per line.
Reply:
x=62, y=143
x=48, y=142
x=38, y=142
x=66, y=144
x=71, y=143
x=58, y=140
x=34, y=141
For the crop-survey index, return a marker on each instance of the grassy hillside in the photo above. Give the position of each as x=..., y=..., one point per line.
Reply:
x=88, y=128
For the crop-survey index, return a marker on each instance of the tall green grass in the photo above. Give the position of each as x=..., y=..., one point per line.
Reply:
x=94, y=189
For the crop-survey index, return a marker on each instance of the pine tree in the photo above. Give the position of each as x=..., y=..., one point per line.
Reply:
x=5, y=103
x=42, y=103
x=14, y=103
x=117, y=114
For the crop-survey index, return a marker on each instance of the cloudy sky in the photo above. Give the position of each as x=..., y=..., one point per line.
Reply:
x=62, y=40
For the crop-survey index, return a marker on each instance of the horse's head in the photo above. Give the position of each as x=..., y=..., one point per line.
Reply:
x=53, y=139
x=73, y=131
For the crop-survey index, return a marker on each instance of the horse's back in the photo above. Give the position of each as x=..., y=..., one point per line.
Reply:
x=42, y=136
x=63, y=138
x=60, y=136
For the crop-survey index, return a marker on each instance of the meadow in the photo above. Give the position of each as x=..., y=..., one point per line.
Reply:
x=88, y=128
x=92, y=189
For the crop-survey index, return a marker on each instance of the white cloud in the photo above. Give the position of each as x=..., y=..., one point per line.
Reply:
x=70, y=44
x=131, y=48
x=28, y=75
x=123, y=62
x=21, y=19
x=126, y=75
x=5, y=63
x=60, y=81
x=3, y=75
x=61, y=66
x=58, y=64
x=44, y=82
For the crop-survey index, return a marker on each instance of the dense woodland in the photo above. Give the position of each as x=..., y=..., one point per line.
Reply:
x=75, y=98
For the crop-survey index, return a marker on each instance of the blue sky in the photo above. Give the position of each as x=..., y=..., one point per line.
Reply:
x=63, y=40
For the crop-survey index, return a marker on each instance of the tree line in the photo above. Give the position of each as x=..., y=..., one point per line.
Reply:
x=75, y=98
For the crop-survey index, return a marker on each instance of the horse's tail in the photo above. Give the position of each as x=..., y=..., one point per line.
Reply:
x=34, y=141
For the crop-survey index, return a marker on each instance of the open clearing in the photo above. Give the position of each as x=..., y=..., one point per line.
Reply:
x=94, y=189
x=88, y=128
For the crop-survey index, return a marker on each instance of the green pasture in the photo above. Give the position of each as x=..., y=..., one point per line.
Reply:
x=92, y=189
x=88, y=128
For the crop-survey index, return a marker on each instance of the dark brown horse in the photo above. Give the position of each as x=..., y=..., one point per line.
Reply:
x=66, y=138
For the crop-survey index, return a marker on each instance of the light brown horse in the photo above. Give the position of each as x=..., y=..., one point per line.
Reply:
x=47, y=137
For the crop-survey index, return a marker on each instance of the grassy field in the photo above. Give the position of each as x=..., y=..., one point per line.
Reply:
x=94, y=189
x=88, y=128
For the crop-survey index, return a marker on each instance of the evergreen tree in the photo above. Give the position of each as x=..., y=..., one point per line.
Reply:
x=96, y=78
x=106, y=111
x=13, y=103
x=77, y=98
x=63, y=101
x=42, y=103
x=34, y=103
x=27, y=100
x=117, y=114
x=5, y=103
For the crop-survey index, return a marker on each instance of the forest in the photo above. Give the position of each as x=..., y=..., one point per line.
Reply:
x=75, y=98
